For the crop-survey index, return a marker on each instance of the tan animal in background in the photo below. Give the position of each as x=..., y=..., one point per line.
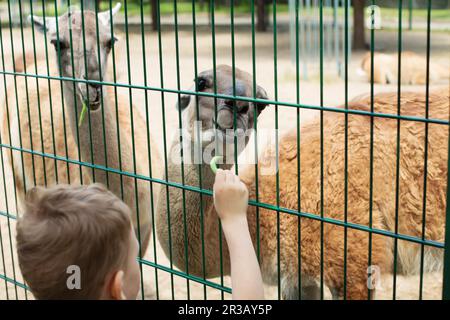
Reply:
x=46, y=114
x=413, y=68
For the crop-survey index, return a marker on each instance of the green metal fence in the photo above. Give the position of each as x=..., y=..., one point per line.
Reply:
x=15, y=37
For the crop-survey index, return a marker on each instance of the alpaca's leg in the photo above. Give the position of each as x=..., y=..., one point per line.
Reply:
x=310, y=289
x=364, y=271
x=409, y=258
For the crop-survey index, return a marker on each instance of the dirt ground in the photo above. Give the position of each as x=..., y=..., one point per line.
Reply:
x=334, y=95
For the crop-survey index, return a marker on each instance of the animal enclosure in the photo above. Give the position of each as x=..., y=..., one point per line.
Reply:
x=348, y=177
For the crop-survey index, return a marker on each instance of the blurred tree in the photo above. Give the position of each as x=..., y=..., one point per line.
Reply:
x=359, y=42
x=154, y=15
x=262, y=14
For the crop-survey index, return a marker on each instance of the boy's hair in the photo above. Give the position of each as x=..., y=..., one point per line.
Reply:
x=83, y=226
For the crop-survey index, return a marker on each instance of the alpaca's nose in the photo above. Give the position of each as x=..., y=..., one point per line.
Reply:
x=229, y=103
x=238, y=106
x=93, y=85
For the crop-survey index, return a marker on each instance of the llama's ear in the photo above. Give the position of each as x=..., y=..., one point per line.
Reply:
x=183, y=102
x=261, y=94
x=105, y=16
x=43, y=25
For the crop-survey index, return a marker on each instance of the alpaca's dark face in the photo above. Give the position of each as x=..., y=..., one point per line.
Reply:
x=234, y=117
x=82, y=43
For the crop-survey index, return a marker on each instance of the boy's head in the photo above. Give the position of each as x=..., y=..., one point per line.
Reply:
x=77, y=243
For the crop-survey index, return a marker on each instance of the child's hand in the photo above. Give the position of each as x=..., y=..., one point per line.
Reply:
x=230, y=195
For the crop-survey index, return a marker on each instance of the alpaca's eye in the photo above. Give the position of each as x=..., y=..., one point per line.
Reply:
x=59, y=45
x=201, y=84
x=109, y=44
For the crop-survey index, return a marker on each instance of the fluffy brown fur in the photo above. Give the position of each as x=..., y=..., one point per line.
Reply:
x=413, y=71
x=410, y=199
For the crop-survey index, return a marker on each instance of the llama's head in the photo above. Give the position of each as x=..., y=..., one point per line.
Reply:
x=82, y=42
x=228, y=117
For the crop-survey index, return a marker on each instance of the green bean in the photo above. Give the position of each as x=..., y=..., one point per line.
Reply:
x=213, y=163
x=82, y=114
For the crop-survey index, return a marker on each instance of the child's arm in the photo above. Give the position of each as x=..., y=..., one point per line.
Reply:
x=230, y=200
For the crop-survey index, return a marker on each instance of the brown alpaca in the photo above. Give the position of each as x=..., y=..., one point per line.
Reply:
x=413, y=71
x=384, y=183
x=383, y=213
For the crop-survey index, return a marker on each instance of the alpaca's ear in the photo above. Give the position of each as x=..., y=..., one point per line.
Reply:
x=183, y=102
x=262, y=95
x=105, y=16
x=43, y=25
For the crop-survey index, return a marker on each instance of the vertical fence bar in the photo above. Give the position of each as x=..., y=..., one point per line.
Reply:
x=214, y=56
x=63, y=107
x=105, y=149
x=322, y=196
x=72, y=63
x=180, y=124
x=200, y=175
x=155, y=256
x=397, y=180
x=149, y=154
x=299, y=204
x=425, y=160
x=51, y=106
x=133, y=146
x=83, y=33
x=345, y=148
x=233, y=67
x=166, y=173
x=372, y=93
x=275, y=74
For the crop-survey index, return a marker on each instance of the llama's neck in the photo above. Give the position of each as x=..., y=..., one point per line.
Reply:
x=97, y=134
